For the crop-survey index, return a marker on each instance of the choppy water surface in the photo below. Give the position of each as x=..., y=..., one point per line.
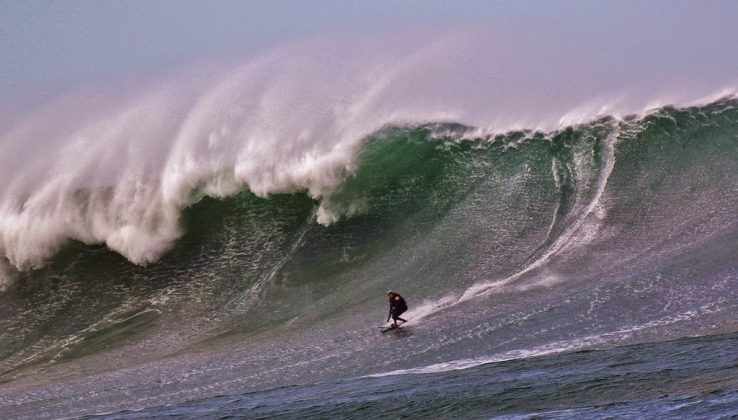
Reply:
x=695, y=377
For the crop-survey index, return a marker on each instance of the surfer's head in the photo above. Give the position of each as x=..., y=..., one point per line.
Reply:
x=390, y=293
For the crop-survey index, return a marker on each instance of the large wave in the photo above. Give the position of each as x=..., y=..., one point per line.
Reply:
x=141, y=236
x=117, y=169
x=574, y=223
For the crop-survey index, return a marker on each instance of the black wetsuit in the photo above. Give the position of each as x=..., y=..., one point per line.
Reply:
x=397, y=307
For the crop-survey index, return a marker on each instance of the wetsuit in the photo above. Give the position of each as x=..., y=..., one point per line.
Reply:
x=397, y=307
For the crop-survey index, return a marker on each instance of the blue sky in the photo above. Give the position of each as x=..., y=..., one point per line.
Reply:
x=49, y=47
x=50, y=44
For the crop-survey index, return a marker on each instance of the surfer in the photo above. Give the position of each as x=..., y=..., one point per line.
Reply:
x=397, y=307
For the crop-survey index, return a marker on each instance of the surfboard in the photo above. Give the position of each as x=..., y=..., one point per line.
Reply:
x=390, y=328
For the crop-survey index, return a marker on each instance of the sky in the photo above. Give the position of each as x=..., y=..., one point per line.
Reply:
x=51, y=44
x=49, y=47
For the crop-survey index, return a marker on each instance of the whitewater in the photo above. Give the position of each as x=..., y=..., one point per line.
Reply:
x=217, y=240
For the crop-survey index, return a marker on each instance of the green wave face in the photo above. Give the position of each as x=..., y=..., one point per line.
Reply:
x=618, y=229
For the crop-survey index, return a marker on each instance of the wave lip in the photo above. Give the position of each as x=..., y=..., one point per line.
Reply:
x=113, y=199
x=118, y=169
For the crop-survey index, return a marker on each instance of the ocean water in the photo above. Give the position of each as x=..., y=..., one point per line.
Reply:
x=548, y=273
x=694, y=377
x=554, y=194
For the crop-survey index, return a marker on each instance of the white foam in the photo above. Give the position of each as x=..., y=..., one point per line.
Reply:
x=118, y=168
x=461, y=364
x=611, y=338
x=418, y=312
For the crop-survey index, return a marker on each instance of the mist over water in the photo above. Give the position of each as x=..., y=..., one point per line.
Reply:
x=117, y=169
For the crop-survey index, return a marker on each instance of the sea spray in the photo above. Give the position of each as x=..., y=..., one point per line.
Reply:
x=117, y=169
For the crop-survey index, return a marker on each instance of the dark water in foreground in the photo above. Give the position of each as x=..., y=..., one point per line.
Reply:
x=691, y=377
